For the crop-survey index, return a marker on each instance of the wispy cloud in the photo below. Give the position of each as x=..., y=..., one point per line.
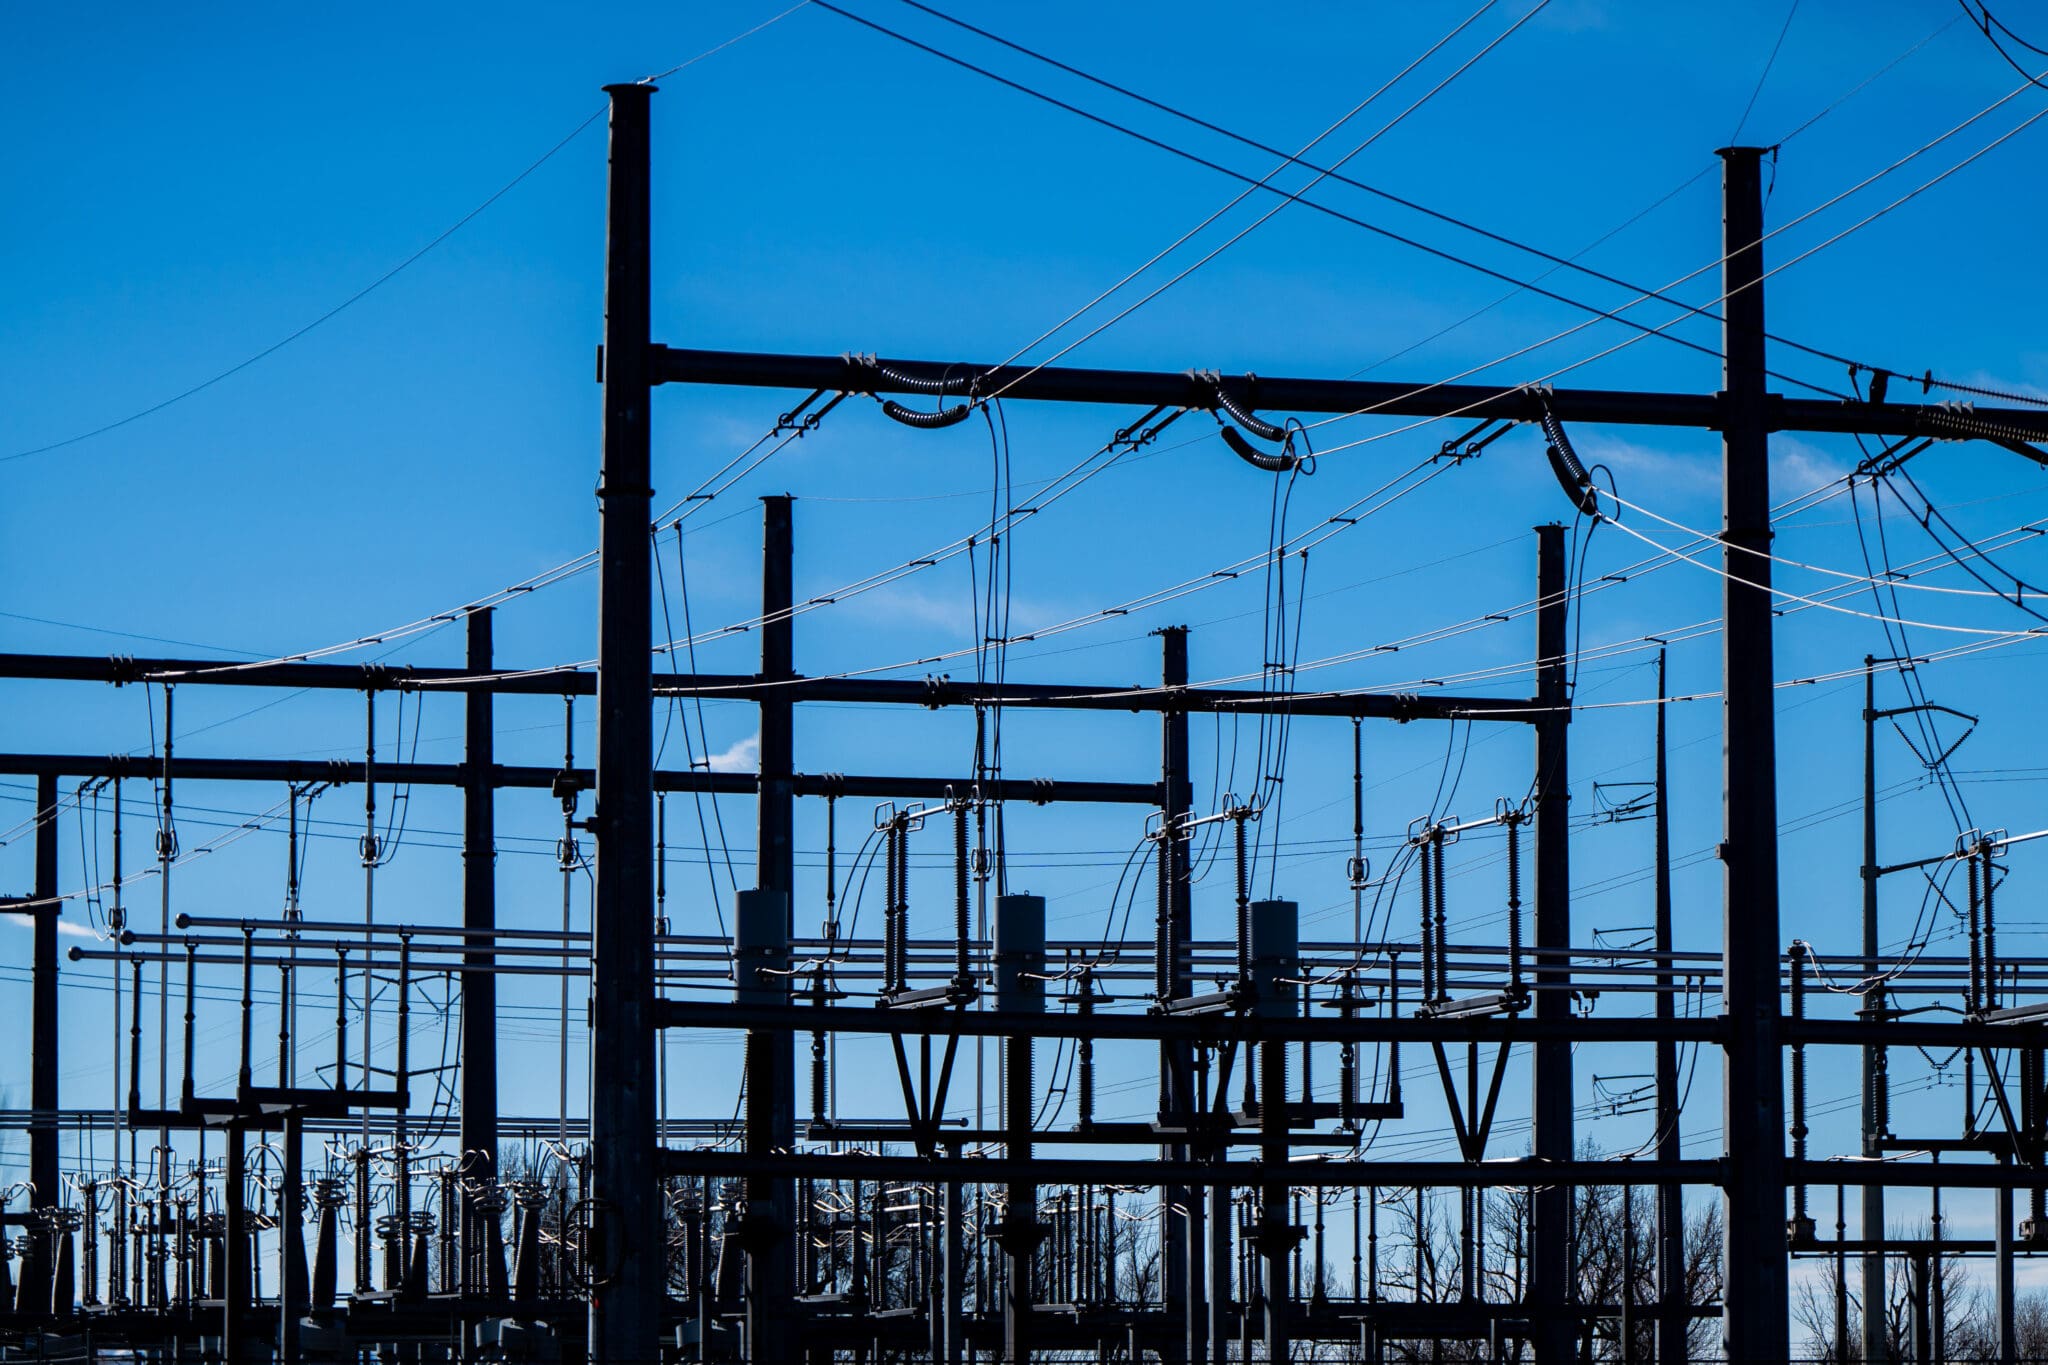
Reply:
x=1796, y=467
x=66, y=928
x=898, y=605
x=1799, y=467
x=2025, y=388
x=743, y=757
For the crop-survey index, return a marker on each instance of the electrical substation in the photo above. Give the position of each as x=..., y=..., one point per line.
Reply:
x=355, y=1190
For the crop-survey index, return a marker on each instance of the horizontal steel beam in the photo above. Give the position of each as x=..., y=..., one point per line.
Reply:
x=1225, y=1026
x=1188, y=1027
x=1183, y=389
x=937, y=692
x=124, y=669
x=1148, y=1174
x=932, y=692
x=1333, y=1174
x=1913, y=1033
x=341, y=772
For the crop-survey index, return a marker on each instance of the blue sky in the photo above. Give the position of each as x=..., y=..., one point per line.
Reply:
x=190, y=188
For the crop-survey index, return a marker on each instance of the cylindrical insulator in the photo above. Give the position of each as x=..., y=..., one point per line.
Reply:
x=889, y=983
x=1163, y=946
x=1428, y=962
x=1347, y=1084
x=1244, y=907
x=1087, y=1059
x=818, y=1086
x=1798, y=1002
x=1443, y=977
x=1883, y=1093
x=1514, y=904
x=961, y=973
x=903, y=909
x=1990, y=934
x=1976, y=944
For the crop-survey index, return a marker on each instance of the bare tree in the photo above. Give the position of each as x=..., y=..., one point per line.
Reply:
x=1614, y=1251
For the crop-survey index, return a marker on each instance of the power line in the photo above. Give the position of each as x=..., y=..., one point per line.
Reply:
x=1333, y=173
x=1265, y=182
x=1599, y=313
x=1769, y=62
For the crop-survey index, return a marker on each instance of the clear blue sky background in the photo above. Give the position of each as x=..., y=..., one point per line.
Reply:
x=189, y=188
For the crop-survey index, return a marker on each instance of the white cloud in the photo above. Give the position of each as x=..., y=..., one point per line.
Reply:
x=1799, y=467
x=910, y=606
x=743, y=757
x=1796, y=467
x=1655, y=471
x=66, y=928
x=1983, y=379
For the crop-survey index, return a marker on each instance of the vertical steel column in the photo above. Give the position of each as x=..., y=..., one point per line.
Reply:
x=1221, y=1306
x=953, y=1213
x=1276, y=962
x=292, y=1293
x=2007, y=1336
x=1180, y=1217
x=625, y=1310
x=761, y=977
x=776, y=811
x=1550, y=1274
x=1674, y=1320
x=1753, y=1094
x=1917, y=1287
x=771, y=1053
x=1019, y=942
x=43, y=1097
x=1872, y=1260
x=234, y=1308
x=479, y=1136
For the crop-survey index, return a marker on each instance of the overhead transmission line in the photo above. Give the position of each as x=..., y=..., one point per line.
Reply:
x=1961, y=419
x=1792, y=12
x=1643, y=330
x=1341, y=521
x=1980, y=15
x=960, y=546
x=1783, y=266
x=1600, y=314
x=1265, y=182
x=1859, y=581
x=1659, y=202
x=1839, y=100
x=1665, y=557
x=1335, y=173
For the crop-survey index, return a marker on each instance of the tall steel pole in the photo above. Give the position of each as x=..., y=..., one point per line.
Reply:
x=1674, y=1322
x=1180, y=1232
x=761, y=976
x=1551, y=1209
x=43, y=1098
x=1753, y=1098
x=776, y=813
x=771, y=1053
x=1276, y=964
x=479, y=984
x=625, y=1307
x=1872, y=1261
x=1019, y=944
